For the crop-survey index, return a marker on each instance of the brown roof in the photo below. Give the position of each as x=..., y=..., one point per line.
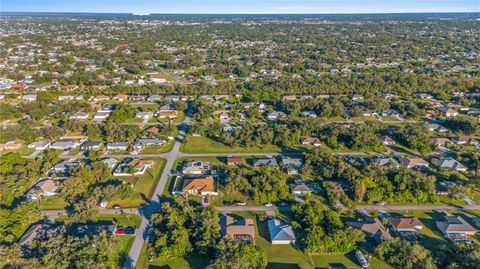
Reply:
x=405, y=222
x=234, y=160
x=242, y=230
x=206, y=184
x=47, y=185
x=153, y=130
x=139, y=163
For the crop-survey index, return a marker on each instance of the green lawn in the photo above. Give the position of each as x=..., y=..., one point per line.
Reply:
x=23, y=151
x=202, y=144
x=160, y=149
x=51, y=203
x=143, y=187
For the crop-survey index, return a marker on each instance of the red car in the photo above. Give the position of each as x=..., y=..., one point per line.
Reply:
x=119, y=232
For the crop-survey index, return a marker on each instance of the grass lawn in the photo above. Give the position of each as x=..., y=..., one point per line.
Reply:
x=51, y=203
x=160, y=149
x=202, y=144
x=23, y=151
x=143, y=186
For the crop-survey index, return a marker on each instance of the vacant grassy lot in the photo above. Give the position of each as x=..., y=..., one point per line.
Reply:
x=201, y=144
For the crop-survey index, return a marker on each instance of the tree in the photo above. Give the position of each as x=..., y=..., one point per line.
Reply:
x=235, y=255
x=405, y=255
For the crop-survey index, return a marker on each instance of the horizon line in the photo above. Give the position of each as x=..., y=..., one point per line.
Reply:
x=299, y=13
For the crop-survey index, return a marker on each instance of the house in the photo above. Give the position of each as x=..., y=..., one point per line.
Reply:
x=173, y=98
x=441, y=141
x=64, y=144
x=172, y=114
x=433, y=127
x=272, y=162
x=382, y=161
x=45, y=187
x=467, y=140
x=195, y=168
x=406, y=227
x=388, y=141
x=311, y=141
x=373, y=229
x=447, y=112
x=357, y=98
x=10, y=145
x=450, y=163
x=280, y=233
x=39, y=231
x=242, y=230
x=144, y=115
x=133, y=167
x=99, y=116
x=274, y=115
x=79, y=116
x=154, y=98
x=308, y=114
x=40, y=145
x=300, y=189
x=107, y=108
x=156, y=129
x=142, y=143
x=456, y=229
x=64, y=167
x=90, y=145
x=65, y=98
x=200, y=185
x=110, y=162
x=234, y=161
x=117, y=146
x=413, y=163
x=292, y=164
x=120, y=97
x=30, y=97
x=101, y=98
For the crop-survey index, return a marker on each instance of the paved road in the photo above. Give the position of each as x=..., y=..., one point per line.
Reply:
x=417, y=207
x=53, y=214
x=154, y=205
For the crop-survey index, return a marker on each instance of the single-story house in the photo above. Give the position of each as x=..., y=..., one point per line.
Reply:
x=64, y=167
x=242, y=230
x=10, y=145
x=234, y=161
x=467, y=140
x=39, y=145
x=274, y=115
x=200, y=185
x=195, y=168
x=388, y=141
x=311, y=141
x=280, y=233
x=144, y=115
x=79, y=116
x=456, y=229
x=90, y=145
x=450, y=163
x=64, y=144
x=110, y=162
x=117, y=146
x=292, y=164
x=309, y=114
x=413, y=162
x=433, y=127
x=266, y=162
x=45, y=187
x=141, y=143
x=30, y=97
x=133, y=167
x=447, y=112
x=101, y=116
x=373, y=229
x=405, y=224
x=300, y=189
x=154, y=98
x=441, y=141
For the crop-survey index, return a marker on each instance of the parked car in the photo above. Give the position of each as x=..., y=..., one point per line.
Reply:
x=361, y=259
x=116, y=207
x=129, y=230
x=241, y=203
x=268, y=204
x=119, y=232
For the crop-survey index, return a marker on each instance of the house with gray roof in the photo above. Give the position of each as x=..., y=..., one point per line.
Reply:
x=456, y=229
x=64, y=144
x=117, y=146
x=141, y=143
x=300, y=189
x=280, y=233
x=450, y=163
x=266, y=162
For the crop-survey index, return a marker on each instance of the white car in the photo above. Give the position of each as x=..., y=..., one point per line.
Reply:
x=241, y=203
x=268, y=204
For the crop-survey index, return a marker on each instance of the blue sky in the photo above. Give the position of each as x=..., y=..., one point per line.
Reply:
x=241, y=6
